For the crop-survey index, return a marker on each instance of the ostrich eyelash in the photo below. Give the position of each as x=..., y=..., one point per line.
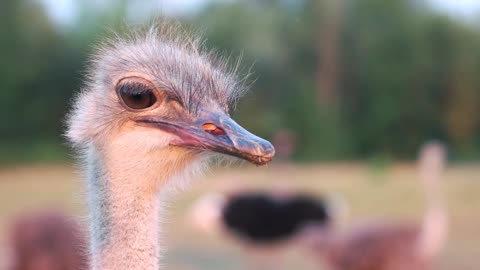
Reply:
x=138, y=88
x=134, y=88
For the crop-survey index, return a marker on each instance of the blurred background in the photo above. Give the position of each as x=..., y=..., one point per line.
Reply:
x=359, y=86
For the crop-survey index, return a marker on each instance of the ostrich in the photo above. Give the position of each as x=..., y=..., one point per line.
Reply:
x=47, y=240
x=259, y=217
x=381, y=246
x=265, y=223
x=264, y=219
x=155, y=106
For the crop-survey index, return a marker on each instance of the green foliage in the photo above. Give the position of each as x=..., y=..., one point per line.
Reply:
x=406, y=74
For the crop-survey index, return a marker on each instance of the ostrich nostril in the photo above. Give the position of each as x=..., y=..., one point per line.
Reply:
x=213, y=129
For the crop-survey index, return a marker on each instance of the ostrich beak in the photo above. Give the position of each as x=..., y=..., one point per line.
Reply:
x=218, y=133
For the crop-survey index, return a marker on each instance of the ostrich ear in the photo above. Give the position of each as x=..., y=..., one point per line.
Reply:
x=80, y=121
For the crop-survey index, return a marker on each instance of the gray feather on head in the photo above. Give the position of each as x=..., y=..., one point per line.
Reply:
x=176, y=59
x=167, y=54
x=163, y=79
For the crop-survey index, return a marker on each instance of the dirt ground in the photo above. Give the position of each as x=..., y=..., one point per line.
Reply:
x=371, y=193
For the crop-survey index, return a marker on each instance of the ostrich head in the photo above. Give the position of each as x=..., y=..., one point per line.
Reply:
x=160, y=95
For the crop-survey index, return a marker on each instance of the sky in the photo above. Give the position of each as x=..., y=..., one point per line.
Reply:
x=458, y=7
x=63, y=11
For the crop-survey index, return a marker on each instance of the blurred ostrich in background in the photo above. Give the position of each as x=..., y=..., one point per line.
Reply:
x=383, y=246
x=265, y=223
x=263, y=219
x=155, y=107
x=47, y=241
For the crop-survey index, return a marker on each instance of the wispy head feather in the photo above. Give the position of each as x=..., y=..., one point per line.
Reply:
x=176, y=59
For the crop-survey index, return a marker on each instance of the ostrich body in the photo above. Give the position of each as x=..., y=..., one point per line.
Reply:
x=154, y=108
x=47, y=240
x=261, y=218
x=264, y=223
x=383, y=246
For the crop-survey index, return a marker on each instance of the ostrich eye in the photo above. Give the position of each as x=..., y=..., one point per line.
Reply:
x=136, y=96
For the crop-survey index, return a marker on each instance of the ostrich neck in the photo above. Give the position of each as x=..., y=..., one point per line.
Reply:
x=124, y=209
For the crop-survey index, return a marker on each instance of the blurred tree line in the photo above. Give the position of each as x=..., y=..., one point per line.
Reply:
x=353, y=78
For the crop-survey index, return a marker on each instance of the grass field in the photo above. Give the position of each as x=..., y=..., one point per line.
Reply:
x=386, y=194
